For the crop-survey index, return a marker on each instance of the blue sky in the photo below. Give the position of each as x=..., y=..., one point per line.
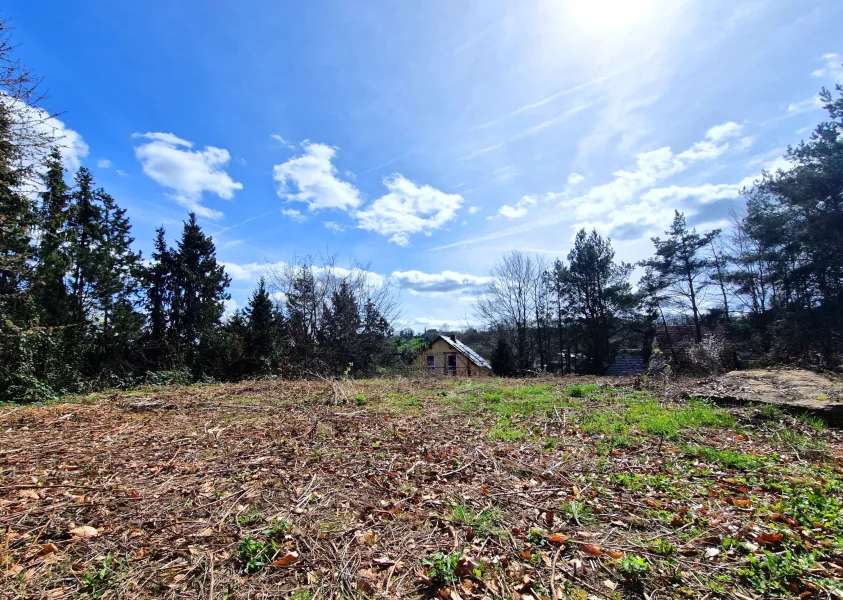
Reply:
x=426, y=139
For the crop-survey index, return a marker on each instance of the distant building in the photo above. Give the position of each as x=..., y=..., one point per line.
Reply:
x=445, y=355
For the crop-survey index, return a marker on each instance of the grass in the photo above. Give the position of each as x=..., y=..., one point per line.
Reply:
x=486, y=521
x=729, y=459
x=463, y=485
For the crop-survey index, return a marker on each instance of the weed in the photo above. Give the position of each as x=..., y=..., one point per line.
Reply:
x=441, y=567
x=581, y=391
x=486, y=521
x=256, y=554
x=505, y=430
x=100, y=580
x=772, y=412
x=361, y=399
x=772, y=572
x=577, y=512
x=252, y=516
x=277, y=528
x=662, y=547
x=729, y=458
x=633, y=567
x=302, y=595
x=813, y=422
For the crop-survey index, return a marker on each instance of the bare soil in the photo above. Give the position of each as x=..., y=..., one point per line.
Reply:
x=526, y=489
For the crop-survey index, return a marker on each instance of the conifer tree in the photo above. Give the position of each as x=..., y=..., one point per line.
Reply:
x=50, y=289
x=340, y=326
x=600, y=297
x=84, y=233
x=199, y=288
x=260, y=328
x=682, y=266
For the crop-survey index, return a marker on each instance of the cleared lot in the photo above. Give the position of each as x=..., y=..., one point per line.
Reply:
x=564, y=488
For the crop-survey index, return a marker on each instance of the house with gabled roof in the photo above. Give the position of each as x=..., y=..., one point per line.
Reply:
x=447, y=356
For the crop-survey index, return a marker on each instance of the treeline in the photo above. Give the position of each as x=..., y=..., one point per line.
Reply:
x=767, y=290
x=80, y=309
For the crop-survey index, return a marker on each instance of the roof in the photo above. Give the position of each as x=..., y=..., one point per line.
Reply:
x=465, y=350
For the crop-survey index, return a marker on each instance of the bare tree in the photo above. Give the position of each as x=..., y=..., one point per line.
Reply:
x=32, y=129
x=509, y=302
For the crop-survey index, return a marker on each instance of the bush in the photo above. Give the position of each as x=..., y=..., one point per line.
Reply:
x=171, y=377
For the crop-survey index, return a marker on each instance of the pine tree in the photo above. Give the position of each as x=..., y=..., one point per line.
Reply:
x=158, y=279
x=600, y=297
x=377, y=345
x=85, y=232
x=683, y=265
x=50, y=290
x=340, y=326
x=260, y=330
x=503, y=361
x=116, y=285
x=199, y=293
x=17, y=217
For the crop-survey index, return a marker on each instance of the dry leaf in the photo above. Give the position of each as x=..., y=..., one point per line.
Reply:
x=465, y=567
x=47, y=549
x=740, y=502
x=84, y=531
x=615, y=554
x=612, y=585
x=769, y=539
x=592, y=551
x=285, y=560
x=558, y=539
x=711, y=552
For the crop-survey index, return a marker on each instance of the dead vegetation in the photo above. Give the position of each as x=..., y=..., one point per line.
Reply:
x=561, y=488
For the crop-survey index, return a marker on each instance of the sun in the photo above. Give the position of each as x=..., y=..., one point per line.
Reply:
x=607, y=15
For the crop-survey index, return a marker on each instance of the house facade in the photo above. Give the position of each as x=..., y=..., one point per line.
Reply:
x=447, y=356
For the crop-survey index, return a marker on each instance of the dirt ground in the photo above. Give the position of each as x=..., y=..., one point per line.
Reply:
x=794, y=388
x=451, y=489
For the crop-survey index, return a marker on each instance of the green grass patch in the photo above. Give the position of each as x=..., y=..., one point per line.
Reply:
x=728, y=458
x=486, y=521
x=507, y=431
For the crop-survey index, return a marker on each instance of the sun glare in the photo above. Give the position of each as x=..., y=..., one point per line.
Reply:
x=607, y=15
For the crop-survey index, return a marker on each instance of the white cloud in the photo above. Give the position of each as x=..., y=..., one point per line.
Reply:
x=244, y=272
x=812, y=103
x=169, y=161
x=104, y=163
x=704, y=150
x=282, y=141
x=121, y=173
x=230, y=307
x=575, y=178
x=622, y=201
x=745, y=142
x=833, y=69
x=408, y=208
x=312, y=179
x=294, y=215
x=334, y=226
x=32, y=121
x=519, y=210
x=474, y=209
x=165, y=138
x=724, y=131
x=481, y=151
x=434, y=284
x=422, y=323
x=703, y=193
